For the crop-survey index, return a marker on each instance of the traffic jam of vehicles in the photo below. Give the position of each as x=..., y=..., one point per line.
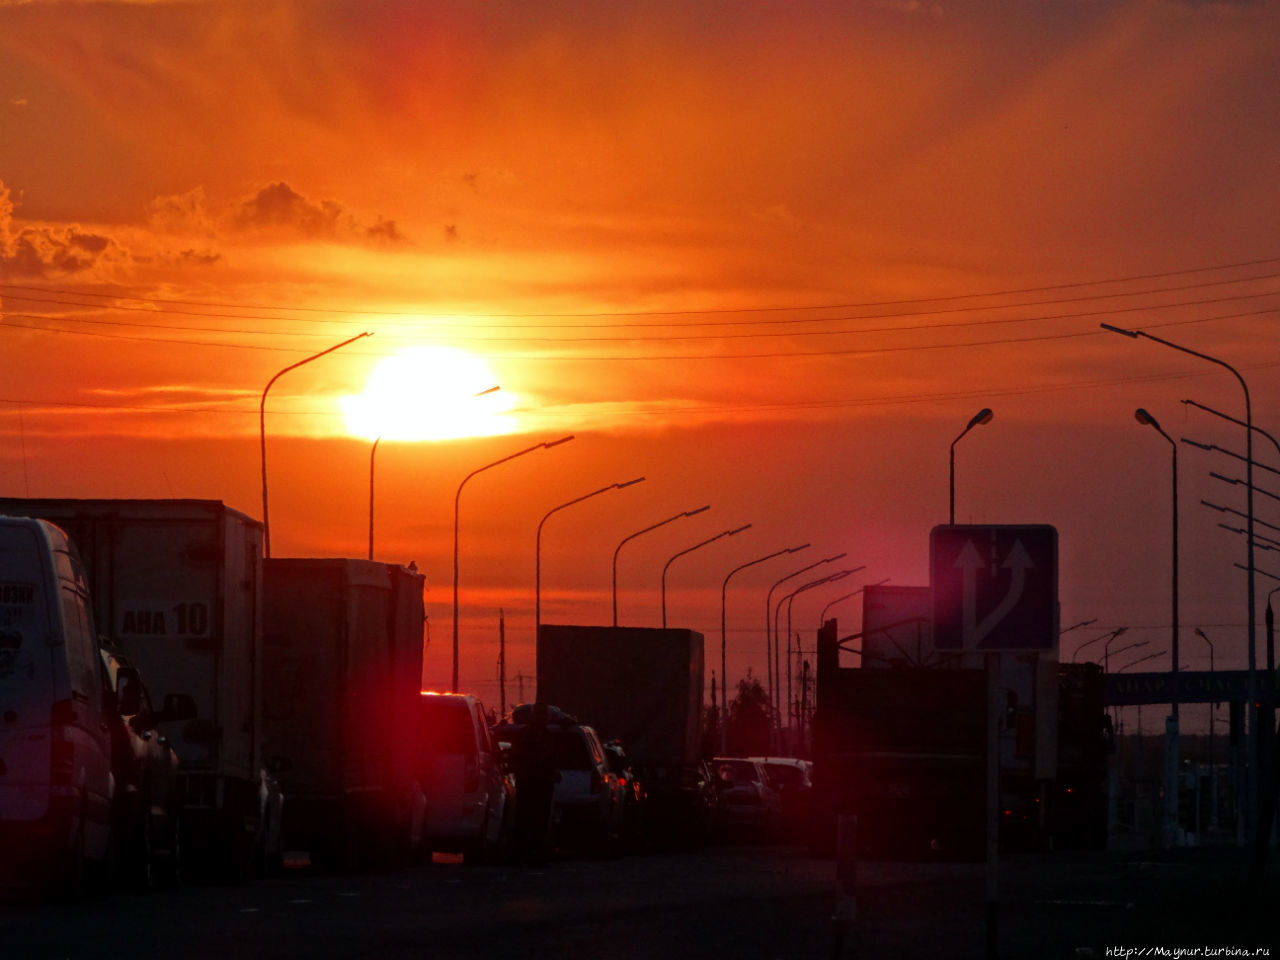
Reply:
x=175, y=706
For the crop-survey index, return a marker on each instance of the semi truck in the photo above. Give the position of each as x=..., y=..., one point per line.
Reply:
x=903, y=747
x=343, y=666
x=642, y=687
x=176, y=585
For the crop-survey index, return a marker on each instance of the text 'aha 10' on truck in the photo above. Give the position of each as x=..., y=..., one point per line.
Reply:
x=343, y=670
x=176, y=585
x=642, y=686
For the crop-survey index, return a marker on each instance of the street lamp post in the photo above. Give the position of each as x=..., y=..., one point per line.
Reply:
x=696, y=546
x=1171, y=726
x=724, y=589
x=262, y=432
x=770, y=639
x=373, y=452
x=982, y=416
x=1271, y=661
x=457, y=499
x=660, y=523
x=1213, y=709
x=537, y=603
x=1102, y=636
x=830, y=578
x=822, y=617
x=1258, y=861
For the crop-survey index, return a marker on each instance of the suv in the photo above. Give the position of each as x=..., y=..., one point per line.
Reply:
x=793, y=779
x=147, y=806
x=747, y=799
x=589, y=801
x=469, y=793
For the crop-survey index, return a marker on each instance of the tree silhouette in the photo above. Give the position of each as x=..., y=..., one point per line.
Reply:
x=749, y=724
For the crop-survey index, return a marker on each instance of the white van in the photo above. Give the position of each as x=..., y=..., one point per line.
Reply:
x=55, y=743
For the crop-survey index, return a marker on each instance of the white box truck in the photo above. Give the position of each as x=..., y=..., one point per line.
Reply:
x=177, y=585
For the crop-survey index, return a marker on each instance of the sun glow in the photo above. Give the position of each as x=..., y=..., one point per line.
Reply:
x=430, y=393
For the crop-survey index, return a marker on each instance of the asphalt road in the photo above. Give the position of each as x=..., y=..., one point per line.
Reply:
x=728, y=902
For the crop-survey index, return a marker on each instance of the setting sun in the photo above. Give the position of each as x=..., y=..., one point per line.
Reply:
x=430, y=393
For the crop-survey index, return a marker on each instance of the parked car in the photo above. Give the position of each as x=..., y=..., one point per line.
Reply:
x=793, y=779
x=147, y=807
x=682, y=808
x=589, y=802
x=750, y=804
x=634, y=794
x=470, y=794
x=55, y=745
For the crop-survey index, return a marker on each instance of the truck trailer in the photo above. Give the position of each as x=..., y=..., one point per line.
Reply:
x=176, y=585
x=643, y=687
x=342, y=670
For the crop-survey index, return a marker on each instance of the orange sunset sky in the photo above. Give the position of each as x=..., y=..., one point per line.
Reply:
x=770, y=256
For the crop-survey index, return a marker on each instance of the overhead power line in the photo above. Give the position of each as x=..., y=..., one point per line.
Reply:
x=674, y=312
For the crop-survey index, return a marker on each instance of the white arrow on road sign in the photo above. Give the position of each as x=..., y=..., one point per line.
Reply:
x=994, y=587
x=969, y=562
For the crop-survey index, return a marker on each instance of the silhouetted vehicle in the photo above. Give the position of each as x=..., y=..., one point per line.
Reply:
x=637, y=685
x=342, y=668
x=751, y=807
x=682, y=808
x=55, y=744
x=470, y=794
x=793, y=779
x=176, y=585
x=147, y=805
x=589, y=802
x=634, y=794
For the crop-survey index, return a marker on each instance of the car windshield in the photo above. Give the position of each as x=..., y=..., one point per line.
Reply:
x=785, y=774
x=570, y=751
x=445, y=727
x=739, y=771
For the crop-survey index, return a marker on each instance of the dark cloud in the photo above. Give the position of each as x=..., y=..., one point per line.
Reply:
x=45, y=251
x=279, y=208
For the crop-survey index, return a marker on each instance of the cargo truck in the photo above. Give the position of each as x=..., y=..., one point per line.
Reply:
x=176, y=585
x=343, y=666
x=642, y=686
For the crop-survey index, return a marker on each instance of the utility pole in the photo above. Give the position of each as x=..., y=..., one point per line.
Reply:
x=520, y=685
x=502, y=664
x=805, y=681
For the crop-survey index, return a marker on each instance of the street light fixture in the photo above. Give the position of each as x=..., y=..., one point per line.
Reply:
x=660, y=523
x=373, y=452
x=724, y=588
x=1102, y=636
x=830, y=578
x=822, y=617
x=457, y=498
x=770, y=638
x=262, y=432
x=1134, y=663
x=1146, y=419
x=537, y=604
x=1130, y=646
x=982, y=416
x=696, y=546
x=1106, y=648
x=1255, y=868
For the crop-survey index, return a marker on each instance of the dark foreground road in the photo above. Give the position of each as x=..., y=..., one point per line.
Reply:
x=739, y=902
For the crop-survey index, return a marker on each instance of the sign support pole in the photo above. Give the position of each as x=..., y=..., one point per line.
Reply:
x=993, y=807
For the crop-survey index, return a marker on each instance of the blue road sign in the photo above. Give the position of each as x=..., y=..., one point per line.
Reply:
x=994, y=588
